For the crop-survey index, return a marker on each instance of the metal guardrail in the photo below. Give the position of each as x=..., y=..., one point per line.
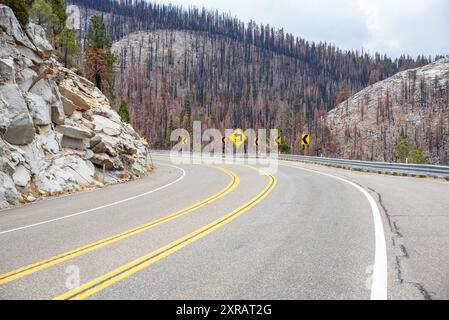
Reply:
x=421, y=170
x=416, y=170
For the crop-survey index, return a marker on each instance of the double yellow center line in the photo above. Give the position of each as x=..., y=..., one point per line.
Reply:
x=131, y=268
x=35, y=267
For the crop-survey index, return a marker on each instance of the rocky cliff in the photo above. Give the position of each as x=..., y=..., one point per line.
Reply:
x=58, y=133
x=368, y=125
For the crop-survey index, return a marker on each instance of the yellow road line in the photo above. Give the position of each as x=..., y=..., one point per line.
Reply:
x=102, y=282
x=35, y=267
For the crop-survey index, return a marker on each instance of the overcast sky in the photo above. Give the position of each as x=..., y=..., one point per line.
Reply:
x=387, y=26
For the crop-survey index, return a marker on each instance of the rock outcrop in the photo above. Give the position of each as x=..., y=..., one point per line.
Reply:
x=368, y=125
x=58, y=133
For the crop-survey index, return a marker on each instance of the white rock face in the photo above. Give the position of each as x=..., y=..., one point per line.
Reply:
x=57, y=130
x=37, y=35
x=8, y=191
x=47, y=89
x=414, y=102
x=75, y=132
x=18, y=124
x=39, y=109
x=107, y=126
x=9, y=23
x=22, y=176
x=7, y=71
x=66, y=173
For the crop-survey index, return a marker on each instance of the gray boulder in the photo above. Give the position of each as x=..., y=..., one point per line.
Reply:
x=6, y=166
x=69, y=107
x=107, y=126
x=7, y=71
x=50, y=141
x=88, y=115
x=30, y=54
x=94, y=141
x=24, y=78
x=8, y=192
x=10, y=24
x=33, y=156
x=107, y=144
x=37, y=35
x=74, y=132
x=75, y=144
x=22, y=176
x=20, y=130
x=47, y=89
x=109, y=163
x=72, y=93
x=39, y=109
x=88, y=155
x=65, y=173
x=7, y=49
x=19, y=125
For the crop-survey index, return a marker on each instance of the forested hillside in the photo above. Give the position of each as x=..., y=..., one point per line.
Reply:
x=176, y=66
x=403, y=118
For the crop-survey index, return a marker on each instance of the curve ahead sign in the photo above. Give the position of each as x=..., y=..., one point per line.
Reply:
x=305, y=139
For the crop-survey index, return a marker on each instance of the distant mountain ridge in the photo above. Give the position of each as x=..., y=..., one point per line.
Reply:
x=368, y=126
x=177, y=65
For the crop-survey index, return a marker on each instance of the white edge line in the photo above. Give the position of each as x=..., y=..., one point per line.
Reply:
x=102, y=207
x=379, y=286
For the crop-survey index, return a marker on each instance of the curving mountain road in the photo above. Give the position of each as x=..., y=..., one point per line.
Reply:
x=232, y=232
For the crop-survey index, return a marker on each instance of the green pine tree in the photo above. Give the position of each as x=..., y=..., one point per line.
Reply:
x=284, y=147
x=123, y=111
x=417, y=156
x=97, y=35
x=99, y=47
x=52, y=16
x=402, y=148
x=68, y=44
x=187, y=113
x=42, y=12
x=58, y=9
x=406, y=153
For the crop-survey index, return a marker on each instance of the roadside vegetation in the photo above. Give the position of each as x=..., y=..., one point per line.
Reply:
x=407, y=153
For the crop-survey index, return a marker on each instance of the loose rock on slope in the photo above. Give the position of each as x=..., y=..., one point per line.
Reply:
x=57, y=130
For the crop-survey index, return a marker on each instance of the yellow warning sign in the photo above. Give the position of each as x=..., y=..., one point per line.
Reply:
x=305, y=139
x=278, y=140
x=238, y=137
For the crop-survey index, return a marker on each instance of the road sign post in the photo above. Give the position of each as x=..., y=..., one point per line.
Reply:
x=223, y=141
x=305, y=142
x=256, y=143
x=305, y=139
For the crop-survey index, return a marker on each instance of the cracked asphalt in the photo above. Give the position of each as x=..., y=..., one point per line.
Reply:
x=416, y=220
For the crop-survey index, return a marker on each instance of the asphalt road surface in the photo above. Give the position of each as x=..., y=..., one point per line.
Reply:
x=233, y=232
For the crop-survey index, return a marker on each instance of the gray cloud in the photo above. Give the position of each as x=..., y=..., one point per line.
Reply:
x=393, y=27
